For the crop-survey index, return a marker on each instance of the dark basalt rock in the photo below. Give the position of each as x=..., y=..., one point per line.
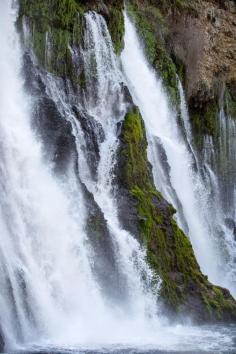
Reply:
x=105, y=267
x=53, y=129
x=59, y=145
x=33, y=81
x=55, y=132
x=94, y=136
x=2, y=341
x=126, y=94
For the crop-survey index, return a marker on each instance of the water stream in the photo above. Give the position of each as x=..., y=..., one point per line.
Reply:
x=52, y=294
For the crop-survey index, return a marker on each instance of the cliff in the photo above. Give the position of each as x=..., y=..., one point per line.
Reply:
x=185, y=290
x=196, y=40
x=164, y=28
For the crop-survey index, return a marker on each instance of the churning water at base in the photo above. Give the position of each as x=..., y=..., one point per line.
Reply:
x=190, y=185
x=50, y=297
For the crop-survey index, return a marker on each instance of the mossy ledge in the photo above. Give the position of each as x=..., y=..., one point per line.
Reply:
x=60, y=24
x=184, y=290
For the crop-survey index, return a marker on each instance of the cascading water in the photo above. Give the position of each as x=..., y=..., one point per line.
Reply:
x=44, y=284
x=219, y=161
x=50, y=293
x=105, y=107
x=46, y=259
x=178, y=173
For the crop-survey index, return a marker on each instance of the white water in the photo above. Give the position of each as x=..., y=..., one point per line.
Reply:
x=176, y=177
x=44, y=261
x=49, y=295
x=103, y=93
x=219, y=159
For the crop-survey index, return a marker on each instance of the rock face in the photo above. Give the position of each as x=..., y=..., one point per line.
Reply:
x=2, y=343
x=196, y=40
x=205, y=41
x=50, y=126
x=60, y=151
x=94, y=136
x=184, y=290
x=142, y=209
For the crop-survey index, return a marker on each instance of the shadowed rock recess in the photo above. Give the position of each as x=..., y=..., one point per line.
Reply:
x=163, y=26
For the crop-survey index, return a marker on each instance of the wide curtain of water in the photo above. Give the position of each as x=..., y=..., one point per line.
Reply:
x=50, y=293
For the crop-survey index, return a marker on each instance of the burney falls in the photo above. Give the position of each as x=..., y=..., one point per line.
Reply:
x=117, y=176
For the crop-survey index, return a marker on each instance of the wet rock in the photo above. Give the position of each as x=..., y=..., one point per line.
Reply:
x=33, y=81
x=230, y=223
x=94, y=136
x=105, y=266
x=55, y=132
x=127, y=96
x=2, y=341
x=184, y=289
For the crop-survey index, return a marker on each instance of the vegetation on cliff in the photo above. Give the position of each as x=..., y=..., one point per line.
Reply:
x=153, y=31
x=55, y=26
x=169, y=251
x=195, y=40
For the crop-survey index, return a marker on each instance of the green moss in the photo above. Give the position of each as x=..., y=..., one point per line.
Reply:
x=204, y=115
x=204, y=121
x=229, y=104
x=116, y=26
x=57, y=25
x=133, y=132
x=54, y=26
x=60, y=14
x=169, y=251
x=175, y=252
x=217, y=303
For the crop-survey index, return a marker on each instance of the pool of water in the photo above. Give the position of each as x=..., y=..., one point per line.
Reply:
x=184, y=340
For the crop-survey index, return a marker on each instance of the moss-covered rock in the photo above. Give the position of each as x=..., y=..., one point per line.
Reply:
x=204, y=121
x=204, y=109
x=55, y=26
x=115, y=22
x=151, y=19
x=169, y=251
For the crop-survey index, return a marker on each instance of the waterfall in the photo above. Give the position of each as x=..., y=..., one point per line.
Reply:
x=190, y=184
x=219, y=161
x=54, y=282
x=47, y=258
x=105, y=107
x=43, y=285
